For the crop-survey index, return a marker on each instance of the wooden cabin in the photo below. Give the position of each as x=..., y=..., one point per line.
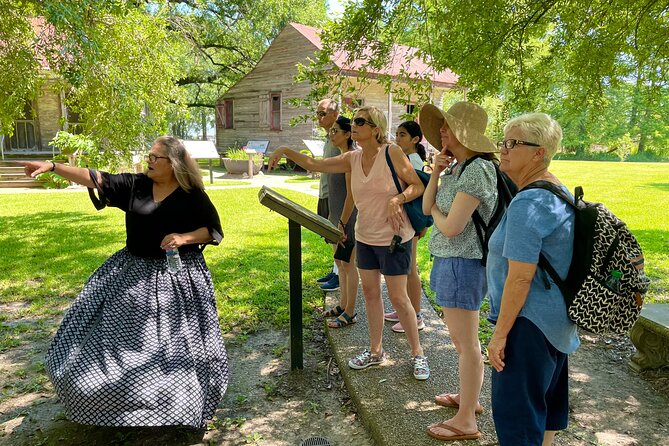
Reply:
x=257, y=107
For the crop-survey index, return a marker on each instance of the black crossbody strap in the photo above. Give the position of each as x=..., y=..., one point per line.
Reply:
x=392, y=170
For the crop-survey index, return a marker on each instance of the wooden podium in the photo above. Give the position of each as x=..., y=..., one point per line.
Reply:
x=297, y=216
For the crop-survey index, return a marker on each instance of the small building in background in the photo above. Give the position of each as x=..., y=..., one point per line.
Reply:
x=257, y=107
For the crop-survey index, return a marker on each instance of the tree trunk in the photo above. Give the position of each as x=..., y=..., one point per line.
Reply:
x=203, y=116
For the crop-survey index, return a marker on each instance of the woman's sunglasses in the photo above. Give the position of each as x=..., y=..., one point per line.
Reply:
x=359, y=122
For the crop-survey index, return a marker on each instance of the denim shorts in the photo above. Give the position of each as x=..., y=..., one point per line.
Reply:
x=458, y=282
x=377, y=257
x=531, y=394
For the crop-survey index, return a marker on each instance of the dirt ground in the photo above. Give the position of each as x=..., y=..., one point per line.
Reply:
x=266, y=404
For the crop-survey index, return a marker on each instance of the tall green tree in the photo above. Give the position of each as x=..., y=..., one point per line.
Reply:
x=129, y=68
x=19, y=62
x=531, y=53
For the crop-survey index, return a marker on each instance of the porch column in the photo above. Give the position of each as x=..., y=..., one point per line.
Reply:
x=390, y=108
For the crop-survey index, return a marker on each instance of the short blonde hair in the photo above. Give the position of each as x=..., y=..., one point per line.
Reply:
x=539, y=128
x=186, y=171
x=377, y=118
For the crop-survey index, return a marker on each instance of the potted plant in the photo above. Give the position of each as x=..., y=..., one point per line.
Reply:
x=236, y=161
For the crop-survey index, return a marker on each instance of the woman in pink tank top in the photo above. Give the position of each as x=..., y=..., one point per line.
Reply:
x=383, y=231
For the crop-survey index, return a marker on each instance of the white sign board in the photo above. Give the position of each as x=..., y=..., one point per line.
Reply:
x=258, y=146
x=201, y=149
x=315, y=146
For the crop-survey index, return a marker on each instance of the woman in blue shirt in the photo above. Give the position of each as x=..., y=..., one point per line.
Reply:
x=533, y=334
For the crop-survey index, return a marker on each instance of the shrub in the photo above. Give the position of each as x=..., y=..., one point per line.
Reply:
x=237, y=154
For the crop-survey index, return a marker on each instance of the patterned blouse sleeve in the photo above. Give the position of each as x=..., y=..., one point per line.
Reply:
x=476, y=181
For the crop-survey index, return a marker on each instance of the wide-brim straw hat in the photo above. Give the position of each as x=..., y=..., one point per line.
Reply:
x=465, y=119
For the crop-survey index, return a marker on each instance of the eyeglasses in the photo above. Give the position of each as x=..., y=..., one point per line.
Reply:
x=509, y=144
x=152, y=158
x=322, y=114
x=359, y=122
x=333, y=131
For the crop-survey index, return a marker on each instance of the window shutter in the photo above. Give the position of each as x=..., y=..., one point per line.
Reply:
x=263, y=111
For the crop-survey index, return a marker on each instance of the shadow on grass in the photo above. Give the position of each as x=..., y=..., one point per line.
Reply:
x=49, y=250
x=661, y=186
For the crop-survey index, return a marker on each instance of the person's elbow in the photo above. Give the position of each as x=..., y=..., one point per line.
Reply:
x=451, y=231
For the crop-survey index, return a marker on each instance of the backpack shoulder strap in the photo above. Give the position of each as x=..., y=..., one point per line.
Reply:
x=543, y=261
x=392, y=171
x=557, y=190
x=467, y=163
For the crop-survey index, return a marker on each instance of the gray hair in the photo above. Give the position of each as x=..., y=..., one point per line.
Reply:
x=186, y=171
x=330, y=105
x=541, y=129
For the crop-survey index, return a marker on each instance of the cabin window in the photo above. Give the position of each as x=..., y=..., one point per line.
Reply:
x=24, y=137
x=225, y=114
x=275, y=111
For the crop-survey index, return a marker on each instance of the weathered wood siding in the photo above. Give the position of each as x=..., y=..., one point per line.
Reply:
x=251, y=96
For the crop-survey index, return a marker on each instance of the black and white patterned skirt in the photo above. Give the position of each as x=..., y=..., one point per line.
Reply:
x=141, y=346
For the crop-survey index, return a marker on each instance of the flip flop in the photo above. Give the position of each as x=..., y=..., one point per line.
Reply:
x=459, y=435
x=450, y=402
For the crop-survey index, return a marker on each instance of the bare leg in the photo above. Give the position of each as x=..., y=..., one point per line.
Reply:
x=463, y=328
x=549, y=436
x=371, y=289
x=397, y=292
x=414, y=287
x=350, y=285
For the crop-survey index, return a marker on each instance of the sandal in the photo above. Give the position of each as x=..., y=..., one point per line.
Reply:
x=459, y=435
x=447, y=400
x=333, y=312
x=348, y=320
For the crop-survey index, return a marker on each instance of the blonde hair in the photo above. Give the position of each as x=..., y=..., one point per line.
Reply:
x=377, y=118
x=539, y=128
x=186, y=171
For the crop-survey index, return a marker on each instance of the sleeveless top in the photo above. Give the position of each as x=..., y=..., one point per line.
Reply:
x=371, y=194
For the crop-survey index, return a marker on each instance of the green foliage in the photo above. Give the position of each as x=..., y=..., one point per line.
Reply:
x=598, y=67
x=19, y=63
x=237, y=154
x=53, y=181
x=70, y=144
x=130, y=67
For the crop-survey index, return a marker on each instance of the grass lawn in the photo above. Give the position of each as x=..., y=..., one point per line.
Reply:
x=52, y=242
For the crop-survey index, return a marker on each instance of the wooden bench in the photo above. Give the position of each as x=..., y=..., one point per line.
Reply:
x=650, y=336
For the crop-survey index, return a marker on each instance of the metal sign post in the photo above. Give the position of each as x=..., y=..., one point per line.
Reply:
x=297, y=216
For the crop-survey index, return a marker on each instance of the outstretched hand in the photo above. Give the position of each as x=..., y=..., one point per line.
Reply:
x=274, y=158
x=34, y=168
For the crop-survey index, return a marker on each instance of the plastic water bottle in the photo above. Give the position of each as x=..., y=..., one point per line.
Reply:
x=173, y=260
x=613, y=281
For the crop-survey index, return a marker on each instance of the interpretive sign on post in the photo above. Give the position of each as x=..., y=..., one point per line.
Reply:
x=297, y=216
x=203, y=150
